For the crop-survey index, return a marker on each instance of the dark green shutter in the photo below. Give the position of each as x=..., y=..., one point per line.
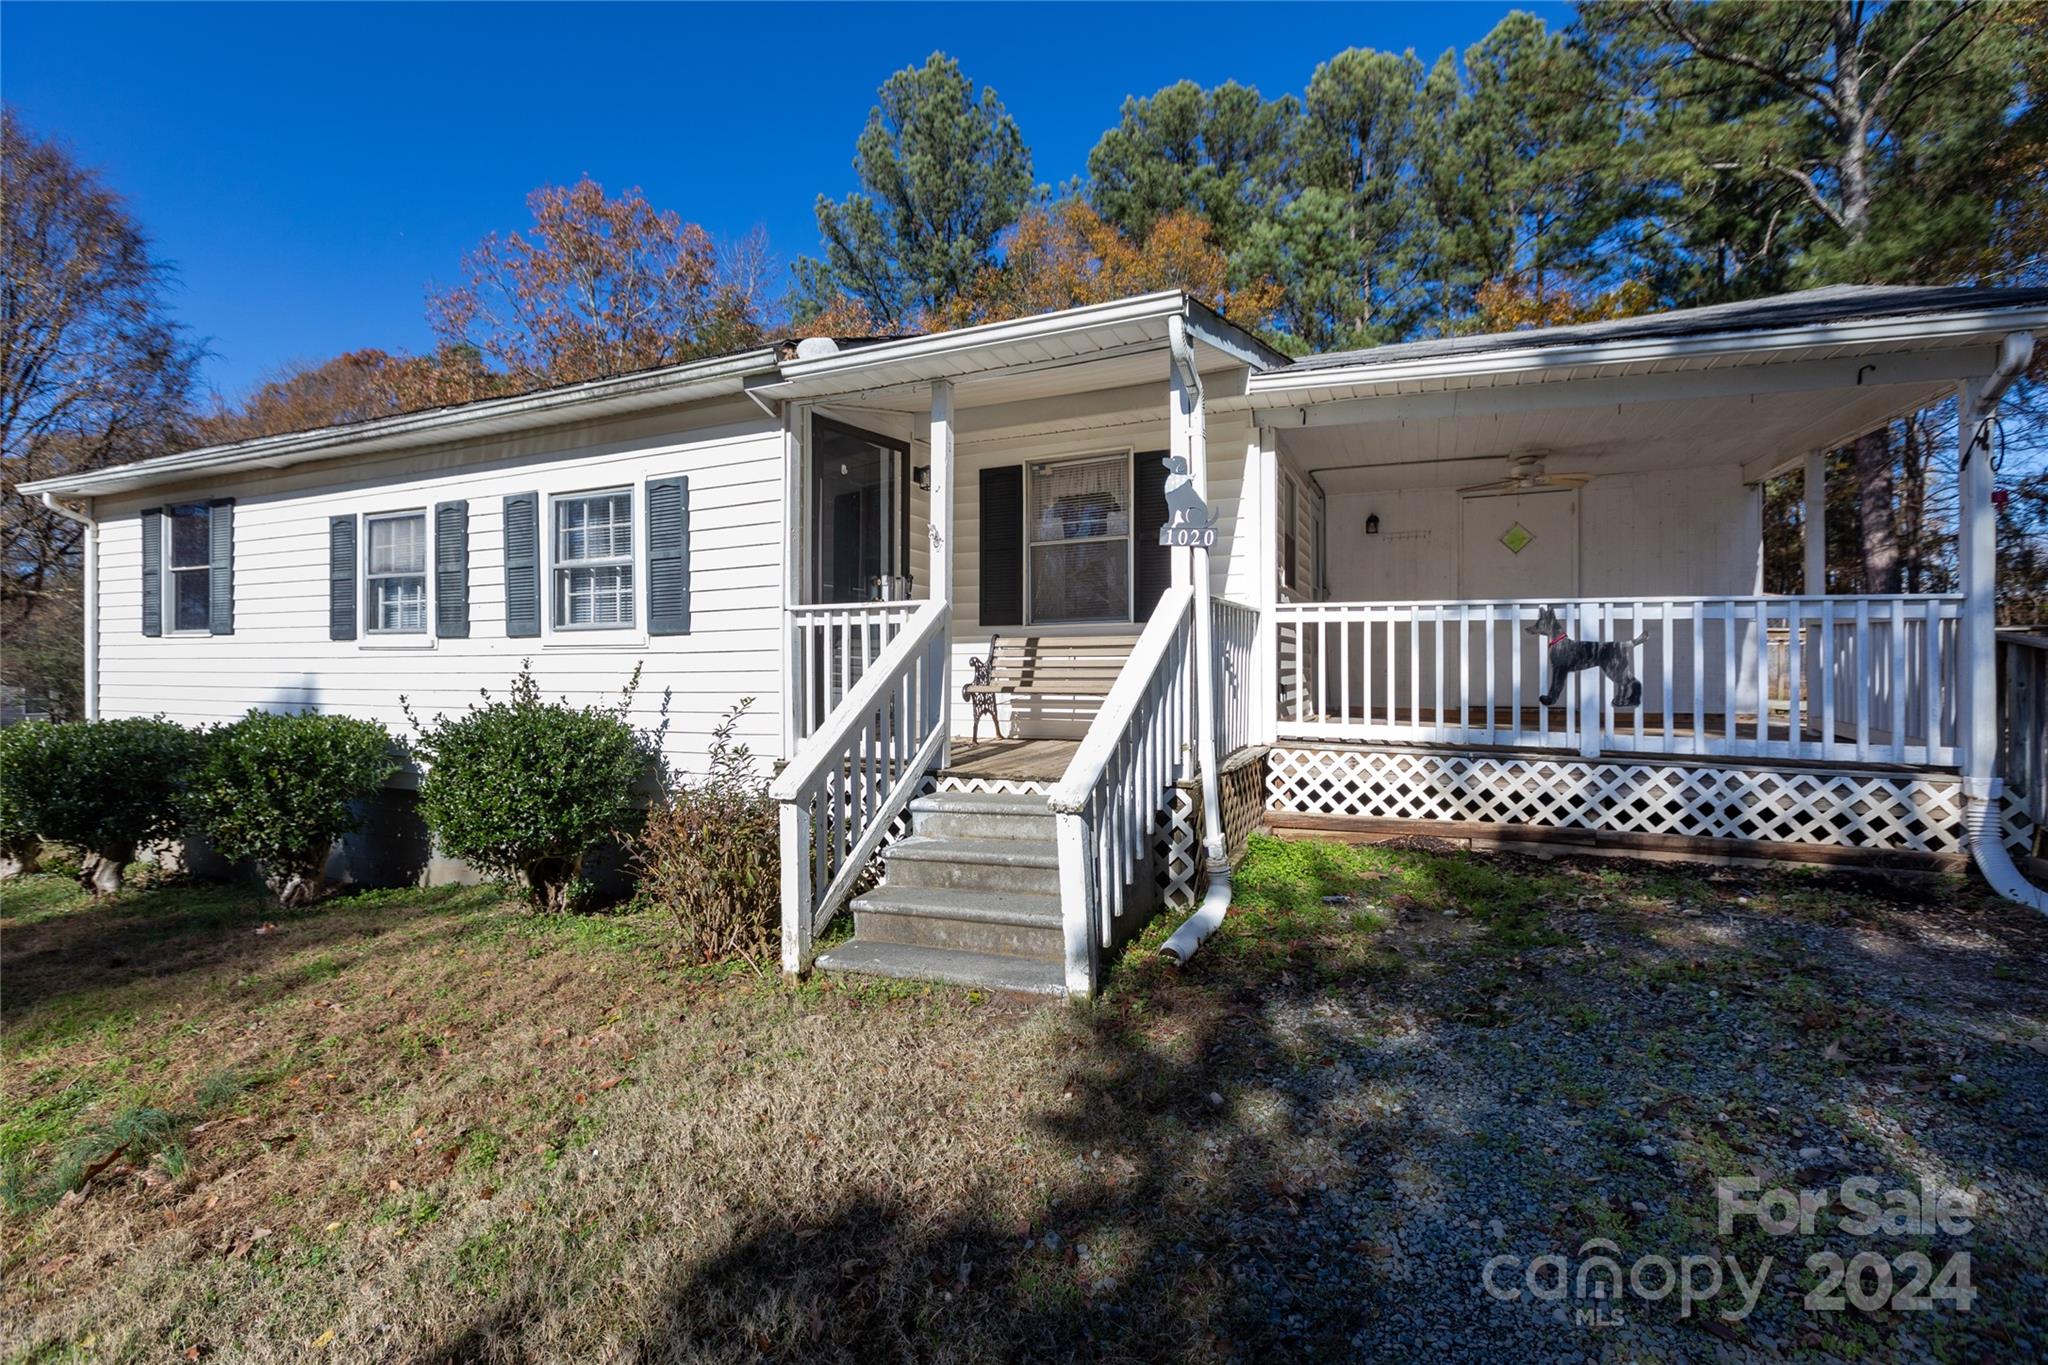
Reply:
x=451, y=570
x=152, y=571
x=1002, y=546
x=522, y=564
x=220, y=577
x=668, y=556
x=1154, y=562
x=341, y=578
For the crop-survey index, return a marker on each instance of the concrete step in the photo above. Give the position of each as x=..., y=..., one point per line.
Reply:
x=974, y=921
x=979, y=815
x=926, y=860
x=909, y=962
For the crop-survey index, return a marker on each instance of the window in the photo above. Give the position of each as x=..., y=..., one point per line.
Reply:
x=188, y=560
x=594, y=561
x=397, y=574
x=1080, y=532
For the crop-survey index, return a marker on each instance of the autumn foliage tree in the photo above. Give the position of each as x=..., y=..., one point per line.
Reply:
x=355, y=386
x=1065, y=255
x=599, y=286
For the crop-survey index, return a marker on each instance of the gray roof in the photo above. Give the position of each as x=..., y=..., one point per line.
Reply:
x=1808, y=308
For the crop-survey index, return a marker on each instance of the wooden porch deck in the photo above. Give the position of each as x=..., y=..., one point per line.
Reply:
x=1012, y=760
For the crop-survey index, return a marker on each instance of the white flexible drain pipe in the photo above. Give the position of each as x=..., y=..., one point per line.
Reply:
x=1982, y=788
x=1181, y=945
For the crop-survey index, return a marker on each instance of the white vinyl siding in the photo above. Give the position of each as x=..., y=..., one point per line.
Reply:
x=593, y=561
x=396, y=556
x=280, y=656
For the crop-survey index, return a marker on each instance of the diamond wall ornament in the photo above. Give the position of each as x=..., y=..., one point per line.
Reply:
x=1517, y=538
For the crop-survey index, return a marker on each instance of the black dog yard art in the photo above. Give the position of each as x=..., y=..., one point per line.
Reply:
x=1615, y=658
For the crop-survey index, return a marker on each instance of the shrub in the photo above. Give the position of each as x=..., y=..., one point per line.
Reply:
x=107, y=787
x=525, y=789
x=23, y=790
x=709, y=856
x=280, y=789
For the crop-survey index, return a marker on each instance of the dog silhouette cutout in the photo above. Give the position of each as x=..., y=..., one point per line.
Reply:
x=1185, y=510
x=1615, y=658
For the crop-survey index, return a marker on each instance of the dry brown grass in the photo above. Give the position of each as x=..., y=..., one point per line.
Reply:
x=454, y=1118
x=431, y=1126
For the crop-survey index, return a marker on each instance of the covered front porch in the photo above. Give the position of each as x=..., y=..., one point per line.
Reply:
x=1403, y=545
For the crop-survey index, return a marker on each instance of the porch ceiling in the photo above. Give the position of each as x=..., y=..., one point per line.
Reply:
x=1452, y=442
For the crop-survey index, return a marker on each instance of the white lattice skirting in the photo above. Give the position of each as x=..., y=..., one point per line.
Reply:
x=1904, y=812
x=998, y=786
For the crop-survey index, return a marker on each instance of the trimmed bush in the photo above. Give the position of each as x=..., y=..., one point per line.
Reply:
x=525, y=789
x=108, y=787
x=709, y=856
x=280, y=789
x=23, y=787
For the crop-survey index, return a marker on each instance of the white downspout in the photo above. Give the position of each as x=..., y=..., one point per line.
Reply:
x=1978, y=551
x=90, y=602
x=1216, y=855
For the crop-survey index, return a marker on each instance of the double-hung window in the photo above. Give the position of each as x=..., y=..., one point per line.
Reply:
x=1080, y=534
x=593, y=560
x=188, y=564
x=396, y=573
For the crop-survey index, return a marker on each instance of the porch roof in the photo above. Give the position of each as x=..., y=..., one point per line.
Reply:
x=1757, y=384
x=1120, y=342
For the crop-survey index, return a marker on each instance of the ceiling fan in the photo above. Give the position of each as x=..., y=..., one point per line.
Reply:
x=1526, y=474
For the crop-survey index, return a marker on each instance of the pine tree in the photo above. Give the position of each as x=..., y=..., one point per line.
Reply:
x=943, y=170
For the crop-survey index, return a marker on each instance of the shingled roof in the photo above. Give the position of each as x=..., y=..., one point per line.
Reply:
x=1808, y=308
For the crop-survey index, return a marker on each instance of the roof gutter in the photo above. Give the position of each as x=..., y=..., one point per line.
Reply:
x=598, y=397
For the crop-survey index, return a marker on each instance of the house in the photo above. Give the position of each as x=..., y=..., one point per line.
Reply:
x=1362, y=545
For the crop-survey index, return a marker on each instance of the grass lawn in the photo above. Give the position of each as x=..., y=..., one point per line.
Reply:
x=432, y=1126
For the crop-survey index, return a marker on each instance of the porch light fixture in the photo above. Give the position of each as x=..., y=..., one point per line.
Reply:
x=1372, y=524
x=921, y=475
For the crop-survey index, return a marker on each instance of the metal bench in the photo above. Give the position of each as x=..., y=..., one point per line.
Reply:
x=1078, y=668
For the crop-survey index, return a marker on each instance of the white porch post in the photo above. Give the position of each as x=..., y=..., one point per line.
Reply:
x=1262, y=475
x=941, y=531
x=793, y=680
x=1815, y=528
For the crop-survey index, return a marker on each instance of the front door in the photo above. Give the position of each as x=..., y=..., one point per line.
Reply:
x=1519, y=545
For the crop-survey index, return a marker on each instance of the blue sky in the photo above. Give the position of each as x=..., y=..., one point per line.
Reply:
x=310, y=168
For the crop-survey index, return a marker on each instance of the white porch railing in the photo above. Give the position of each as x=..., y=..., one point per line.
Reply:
x=1234, y=631
x=1859, y=679
x=831, y=647
x=1108, y=802
x=854, y=775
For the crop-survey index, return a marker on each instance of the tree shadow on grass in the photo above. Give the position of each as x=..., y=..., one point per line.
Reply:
x=1289, y=1151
